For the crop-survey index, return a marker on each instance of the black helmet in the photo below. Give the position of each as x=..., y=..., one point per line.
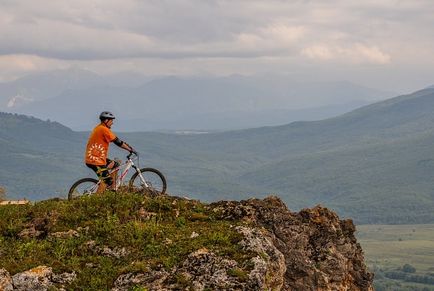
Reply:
x=106, y=115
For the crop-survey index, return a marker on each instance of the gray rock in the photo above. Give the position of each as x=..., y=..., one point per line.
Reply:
x=205, y=270
x=65, y=234
x=5, y=280
x=152, y=280
x=116, y=252
x=269, y=266
x=30, y=232
x=64, y=278
x=36, y=279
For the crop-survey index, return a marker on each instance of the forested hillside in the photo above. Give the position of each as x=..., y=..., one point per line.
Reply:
x=374, y=164
x=37, y=157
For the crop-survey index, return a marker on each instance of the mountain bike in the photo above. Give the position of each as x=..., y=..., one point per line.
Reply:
x=148, y=181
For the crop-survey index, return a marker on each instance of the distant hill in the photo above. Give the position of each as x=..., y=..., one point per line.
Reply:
x=37, y=87
x=374, y=164
x=173, y=103
x=37, y=157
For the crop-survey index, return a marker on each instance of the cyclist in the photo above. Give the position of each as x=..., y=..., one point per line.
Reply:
x=98, y=146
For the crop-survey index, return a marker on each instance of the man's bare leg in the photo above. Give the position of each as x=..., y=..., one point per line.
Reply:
x=101, y=188
x=113, y=176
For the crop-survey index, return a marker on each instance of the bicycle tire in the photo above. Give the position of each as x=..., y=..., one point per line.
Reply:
x=74, y=192
x=157, y=187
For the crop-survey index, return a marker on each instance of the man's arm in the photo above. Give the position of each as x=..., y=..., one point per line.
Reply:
x=123, y=145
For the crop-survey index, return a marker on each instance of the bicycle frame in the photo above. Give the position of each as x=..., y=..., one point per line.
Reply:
x=127, y=166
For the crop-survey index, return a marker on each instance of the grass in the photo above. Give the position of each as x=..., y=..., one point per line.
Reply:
x=392, y=246
x=389, y=247
x=157, y=233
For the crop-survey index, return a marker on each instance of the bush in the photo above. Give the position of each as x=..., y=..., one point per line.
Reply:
x=397, y=275
x=407, y=268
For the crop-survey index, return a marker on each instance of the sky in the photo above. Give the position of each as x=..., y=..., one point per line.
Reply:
x=383, y=44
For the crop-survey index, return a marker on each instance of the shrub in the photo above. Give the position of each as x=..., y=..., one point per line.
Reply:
x=407, y=268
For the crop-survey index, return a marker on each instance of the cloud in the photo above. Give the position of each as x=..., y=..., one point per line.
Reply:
x=54, y=39
x=13, y=66
x=373, y=54
x=95, y=29
x=168, y=34
x=356, y=53
x=318, y=52
x=283, y=34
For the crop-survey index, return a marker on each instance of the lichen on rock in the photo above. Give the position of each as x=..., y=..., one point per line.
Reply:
x=40, y=278
x=5, y=280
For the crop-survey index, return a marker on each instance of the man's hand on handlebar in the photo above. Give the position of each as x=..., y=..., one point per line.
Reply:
x=132, y=152
x=129, y=148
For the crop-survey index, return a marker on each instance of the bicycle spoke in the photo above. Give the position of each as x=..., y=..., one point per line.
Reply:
x=83, y=187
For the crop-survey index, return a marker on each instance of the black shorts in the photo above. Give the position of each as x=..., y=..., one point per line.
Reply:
x=103, y=171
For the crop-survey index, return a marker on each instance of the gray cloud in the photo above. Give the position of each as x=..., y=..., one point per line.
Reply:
x=337, y=32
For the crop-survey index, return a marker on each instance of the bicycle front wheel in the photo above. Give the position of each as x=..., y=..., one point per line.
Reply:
x=86, y=186
x=153, y=182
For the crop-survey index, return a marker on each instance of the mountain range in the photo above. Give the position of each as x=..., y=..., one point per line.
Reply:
x=74, y=97
x=373, y=164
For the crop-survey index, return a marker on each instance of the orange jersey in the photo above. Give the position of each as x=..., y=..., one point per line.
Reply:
x=98, y=145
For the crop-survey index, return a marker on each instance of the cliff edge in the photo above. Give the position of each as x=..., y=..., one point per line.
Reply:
x=129, y=241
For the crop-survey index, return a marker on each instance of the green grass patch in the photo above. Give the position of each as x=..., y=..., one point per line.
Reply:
x=393, y=252
x=154, y=232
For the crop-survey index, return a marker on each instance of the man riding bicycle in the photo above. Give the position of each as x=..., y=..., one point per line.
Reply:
x=98, y=146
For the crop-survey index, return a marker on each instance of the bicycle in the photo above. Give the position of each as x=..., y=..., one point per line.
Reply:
x=145, y=180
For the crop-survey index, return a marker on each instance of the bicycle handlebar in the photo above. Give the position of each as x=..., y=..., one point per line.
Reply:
x=131, y=154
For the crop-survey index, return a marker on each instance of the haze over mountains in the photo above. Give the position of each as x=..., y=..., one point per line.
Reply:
x=374, y=164
x=74, y=98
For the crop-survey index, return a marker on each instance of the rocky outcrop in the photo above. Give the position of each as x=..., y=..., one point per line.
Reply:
x=38, y=279
x=320, y=250
x=204, y=270
x=309, y=250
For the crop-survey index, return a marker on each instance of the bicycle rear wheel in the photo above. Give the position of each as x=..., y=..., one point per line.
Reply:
x=154, y=184
x=86, y=186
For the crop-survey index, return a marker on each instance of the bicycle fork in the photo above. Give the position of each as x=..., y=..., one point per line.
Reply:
x=141, y=177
